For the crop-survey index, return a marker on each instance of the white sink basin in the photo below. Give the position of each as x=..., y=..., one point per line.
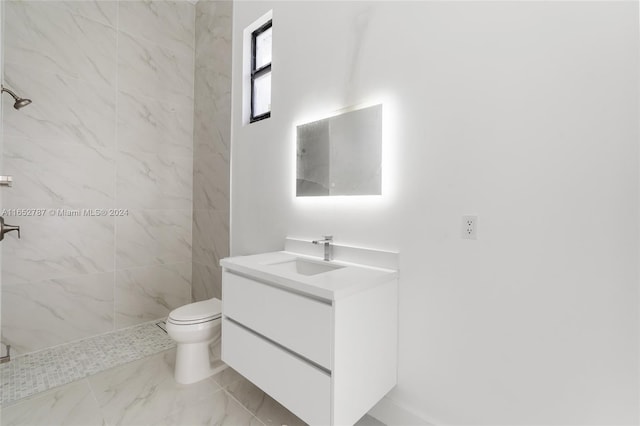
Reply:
x=305, y=273
x=305, y=267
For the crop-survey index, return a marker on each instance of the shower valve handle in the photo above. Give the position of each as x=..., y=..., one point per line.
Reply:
x=4, y=228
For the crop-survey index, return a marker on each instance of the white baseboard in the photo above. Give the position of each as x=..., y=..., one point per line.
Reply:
x=391, y=413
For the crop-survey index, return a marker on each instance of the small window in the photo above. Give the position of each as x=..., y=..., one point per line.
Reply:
x=261, y=73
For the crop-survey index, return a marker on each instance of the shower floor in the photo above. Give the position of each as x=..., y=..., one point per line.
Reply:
x=36, y=372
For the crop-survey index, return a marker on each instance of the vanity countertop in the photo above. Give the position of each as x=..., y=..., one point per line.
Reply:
x=351, y=278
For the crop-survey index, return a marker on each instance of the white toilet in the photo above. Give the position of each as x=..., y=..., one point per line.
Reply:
x=194, y=327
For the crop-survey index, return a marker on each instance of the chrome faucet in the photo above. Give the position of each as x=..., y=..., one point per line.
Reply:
x=328, y=248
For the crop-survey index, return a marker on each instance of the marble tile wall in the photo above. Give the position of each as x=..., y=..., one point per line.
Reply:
x=111, y=126
x=211, y=134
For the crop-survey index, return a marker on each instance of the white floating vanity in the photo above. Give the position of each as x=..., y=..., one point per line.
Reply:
x=319, y=337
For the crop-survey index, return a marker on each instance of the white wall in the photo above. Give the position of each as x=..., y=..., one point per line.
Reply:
x=523, y=113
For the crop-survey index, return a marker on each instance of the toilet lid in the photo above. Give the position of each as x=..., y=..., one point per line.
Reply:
x=197, y=311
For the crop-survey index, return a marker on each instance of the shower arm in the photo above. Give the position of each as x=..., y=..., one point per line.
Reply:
x=15, y=97
x=19, y=102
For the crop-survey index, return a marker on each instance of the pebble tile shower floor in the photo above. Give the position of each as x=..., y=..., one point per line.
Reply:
x=36, y=372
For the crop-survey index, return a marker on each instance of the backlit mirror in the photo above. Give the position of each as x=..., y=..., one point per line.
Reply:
x=340, y=155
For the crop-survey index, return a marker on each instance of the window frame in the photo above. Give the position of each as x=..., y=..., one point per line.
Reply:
x=256, y=73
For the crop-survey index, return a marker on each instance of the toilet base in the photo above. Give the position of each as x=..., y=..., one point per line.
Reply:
x=193, y=363
x=194, y=327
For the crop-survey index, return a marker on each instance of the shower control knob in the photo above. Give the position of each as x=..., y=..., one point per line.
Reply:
x=4, y=228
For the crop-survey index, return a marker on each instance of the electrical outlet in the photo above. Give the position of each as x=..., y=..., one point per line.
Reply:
x=470, y=227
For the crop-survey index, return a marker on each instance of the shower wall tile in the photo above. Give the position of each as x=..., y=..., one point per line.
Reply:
x=212, y=103
x=54, y=174
x=111, y=125
x=102, y=11
x=152, y=237
x=54, y=247
x=168, y=23
x=50, y=38
x=150, y=126
x=206, y=282
x=212, y=135
x=210, y=175
x=149, y=181
x=210, y=236
x=150, y=69
x=147, y=293
x=67, y=109
x=212, y=130
x=213, y=66
x=214, y=21
x=154, y=159
x=47, y=313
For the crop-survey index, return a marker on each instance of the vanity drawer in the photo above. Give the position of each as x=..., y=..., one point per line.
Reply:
x=301, y=387
x=298, y=323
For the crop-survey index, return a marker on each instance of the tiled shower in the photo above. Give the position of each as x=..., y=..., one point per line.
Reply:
x=130, y=116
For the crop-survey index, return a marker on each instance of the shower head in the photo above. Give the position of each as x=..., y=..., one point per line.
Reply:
x=19, y=102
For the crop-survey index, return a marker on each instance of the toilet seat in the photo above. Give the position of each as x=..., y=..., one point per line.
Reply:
x=196, y=313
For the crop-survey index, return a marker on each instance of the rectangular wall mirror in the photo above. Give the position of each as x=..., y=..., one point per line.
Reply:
x=341, y=155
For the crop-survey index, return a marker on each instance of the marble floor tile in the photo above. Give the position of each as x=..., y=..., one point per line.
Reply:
x=72, y=404
x=145, y=392
x=228, y=377
x=265, y=408
x=256, y=422
x=217, y=409
x=367, y=420
x=270, y=412
x=139, y=393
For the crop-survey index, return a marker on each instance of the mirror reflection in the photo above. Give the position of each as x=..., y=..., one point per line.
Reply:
x=341, y=155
